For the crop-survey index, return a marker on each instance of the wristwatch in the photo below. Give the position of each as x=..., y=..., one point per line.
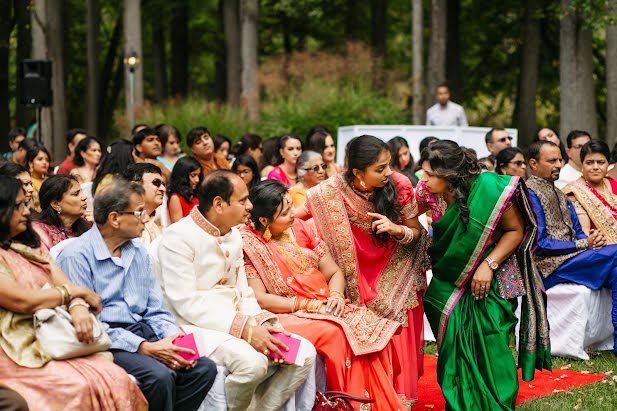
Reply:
x=492, y=263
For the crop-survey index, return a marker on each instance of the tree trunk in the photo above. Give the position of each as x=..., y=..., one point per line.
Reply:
x=524, y=117
x=56, y=142
x=38, y=18
x=249, y=97
x=6, y=26
x=611, y=79
x=378, y=41
x=108, y=77
x=577, y=100
x=417, y=34
x=220, y=75
x=23, y=114
x=453, y=50
x=159, y=56
x=132, y=46
x=436, y=73
x=351, y=20
x=231, y=24
x=180, y=48
x=94, y=50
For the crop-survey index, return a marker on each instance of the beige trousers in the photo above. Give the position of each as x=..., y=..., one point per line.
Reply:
x=252, y=377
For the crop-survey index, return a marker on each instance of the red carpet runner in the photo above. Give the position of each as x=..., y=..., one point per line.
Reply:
x=545, y=383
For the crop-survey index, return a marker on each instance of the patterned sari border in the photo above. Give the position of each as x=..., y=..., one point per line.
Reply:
x=489, y=228
x=456, y=295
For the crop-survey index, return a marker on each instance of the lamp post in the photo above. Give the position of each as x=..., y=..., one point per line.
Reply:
x=131, y=60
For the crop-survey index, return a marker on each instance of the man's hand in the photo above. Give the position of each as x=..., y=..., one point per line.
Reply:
x=164, y=351
x=263, y=342
x=596, y=239
x=82, y=321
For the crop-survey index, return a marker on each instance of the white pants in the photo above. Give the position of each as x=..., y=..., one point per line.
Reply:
x=252, y=375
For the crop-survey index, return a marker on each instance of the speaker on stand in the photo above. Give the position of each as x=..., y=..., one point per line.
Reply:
x=34, y=87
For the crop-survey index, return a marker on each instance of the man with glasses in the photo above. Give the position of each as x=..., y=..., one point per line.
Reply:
x=150, y=178
x=110, y=260
x=496, y=140
x=575, y=141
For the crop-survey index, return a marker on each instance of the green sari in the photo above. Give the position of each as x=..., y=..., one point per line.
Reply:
x=476, y=369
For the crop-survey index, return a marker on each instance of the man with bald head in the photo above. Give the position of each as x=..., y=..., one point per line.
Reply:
x=205, y=285
x=564, y=253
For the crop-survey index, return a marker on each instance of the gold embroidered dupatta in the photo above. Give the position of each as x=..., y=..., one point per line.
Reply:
x=403, y=276
x=602, y=214
x=366, y=332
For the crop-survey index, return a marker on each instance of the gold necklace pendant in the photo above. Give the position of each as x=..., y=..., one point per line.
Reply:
x=304, y=262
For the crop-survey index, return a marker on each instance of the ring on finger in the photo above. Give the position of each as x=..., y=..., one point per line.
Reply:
x=266, y=352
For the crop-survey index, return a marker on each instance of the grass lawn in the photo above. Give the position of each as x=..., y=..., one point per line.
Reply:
x=598, y=396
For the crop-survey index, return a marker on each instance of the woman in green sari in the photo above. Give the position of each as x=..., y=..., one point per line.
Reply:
x=483, y=232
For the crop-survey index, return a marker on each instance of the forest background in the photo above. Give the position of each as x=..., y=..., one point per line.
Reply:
x=275, y=66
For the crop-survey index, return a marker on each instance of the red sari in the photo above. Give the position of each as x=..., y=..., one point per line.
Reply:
x=356, y=347
x=388, y=280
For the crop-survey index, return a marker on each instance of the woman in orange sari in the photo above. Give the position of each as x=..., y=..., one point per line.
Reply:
x=367, y=217
x=291, y=271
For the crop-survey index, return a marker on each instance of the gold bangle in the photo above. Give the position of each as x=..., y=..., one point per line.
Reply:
x=68, y=291
x=61, y=291
x=293, y=303
x=338, y=292
x=65, y=295
x=248, y=339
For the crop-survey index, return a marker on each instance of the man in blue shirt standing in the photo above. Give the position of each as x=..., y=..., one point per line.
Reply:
x=110, y=260
x=564, y=253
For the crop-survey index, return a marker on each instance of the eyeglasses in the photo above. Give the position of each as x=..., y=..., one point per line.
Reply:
x=517, y=163
x=503, y=139
x=157, y=182
x=316, y=168
x=141, y=214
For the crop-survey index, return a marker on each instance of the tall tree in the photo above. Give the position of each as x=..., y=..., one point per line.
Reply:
x=6, y=26
x=379, y=41
x=180, y=48
x=453, y=49
x=159, y=55
x=110, y=79
x=436, y=70
x=231, y=24
x=132, y=46
x=22, y=19
x=611, y=78
x=249, y=97
x=577, y=99
x=417, y=35
x=93, y=11
x=524, y=117
x=38, y=18
x=351, y=20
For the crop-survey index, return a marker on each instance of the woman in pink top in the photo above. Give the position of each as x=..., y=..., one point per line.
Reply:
x=290, y=149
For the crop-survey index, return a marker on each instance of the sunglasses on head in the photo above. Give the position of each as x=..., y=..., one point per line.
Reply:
x=316, y=168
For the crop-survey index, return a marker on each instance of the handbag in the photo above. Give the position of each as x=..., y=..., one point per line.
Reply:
x=337, y=400
x=509, y=279
x=57, y=336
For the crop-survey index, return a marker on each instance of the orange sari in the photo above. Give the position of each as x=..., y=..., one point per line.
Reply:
x=360, y=358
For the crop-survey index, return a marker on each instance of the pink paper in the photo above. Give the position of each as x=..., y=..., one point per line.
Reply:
x=292, y=343
x=187, y=341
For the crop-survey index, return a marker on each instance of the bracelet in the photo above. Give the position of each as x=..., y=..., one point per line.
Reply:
x=408, y=237
x=65, y=295
x=248, y=339
x=293, y=303
x=68, y=291
x=314, y=306
x=61, y=291
x=337, y=292
x=337, y=298
x=76, y=303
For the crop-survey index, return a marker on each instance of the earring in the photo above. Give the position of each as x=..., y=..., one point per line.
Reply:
x=267, y=234
x=362, y=184
x=59, y=210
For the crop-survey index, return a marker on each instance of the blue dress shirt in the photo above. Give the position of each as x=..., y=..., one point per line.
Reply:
x=546, y=245
x=127, y=286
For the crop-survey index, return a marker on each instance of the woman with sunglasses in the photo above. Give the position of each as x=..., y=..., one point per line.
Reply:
x=63, y=206
x=311, y=170
x=511, y=162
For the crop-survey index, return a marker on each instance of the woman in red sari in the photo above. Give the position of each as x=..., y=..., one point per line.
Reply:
x=367, y=217
x=594, y=196
x=291, y=271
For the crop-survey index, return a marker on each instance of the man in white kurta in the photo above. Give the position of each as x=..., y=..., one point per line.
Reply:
x=203, y=278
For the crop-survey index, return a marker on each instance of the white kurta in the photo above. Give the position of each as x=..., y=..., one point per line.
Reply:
x=567, y=175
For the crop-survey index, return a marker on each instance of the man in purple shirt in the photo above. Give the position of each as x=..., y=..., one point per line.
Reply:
x=564, y=253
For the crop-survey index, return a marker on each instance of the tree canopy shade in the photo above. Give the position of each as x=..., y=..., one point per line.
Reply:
x=509, y=63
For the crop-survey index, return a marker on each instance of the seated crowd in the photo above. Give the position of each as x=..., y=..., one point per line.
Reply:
x=240, y=243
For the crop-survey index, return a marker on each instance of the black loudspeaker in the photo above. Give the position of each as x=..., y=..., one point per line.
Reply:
x=35, y=83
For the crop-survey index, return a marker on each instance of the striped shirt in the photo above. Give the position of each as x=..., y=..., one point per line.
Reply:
x=127, y=286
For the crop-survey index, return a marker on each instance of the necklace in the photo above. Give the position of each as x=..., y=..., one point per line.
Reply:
x=304, y=262
x=601, y=189
x=364, y=194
